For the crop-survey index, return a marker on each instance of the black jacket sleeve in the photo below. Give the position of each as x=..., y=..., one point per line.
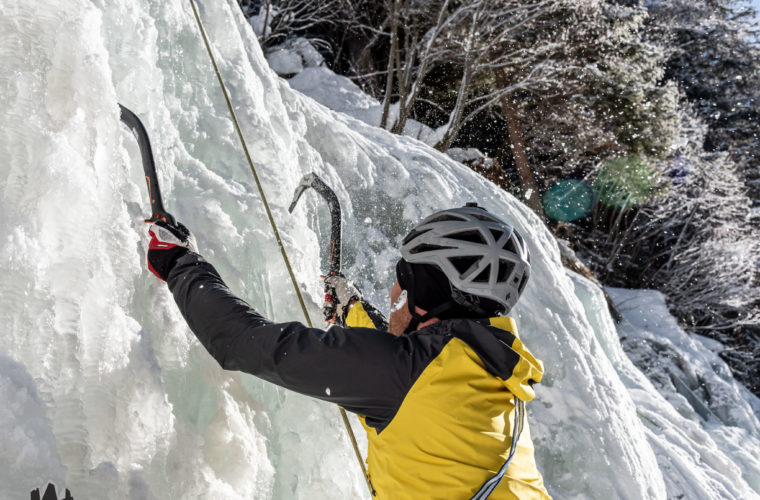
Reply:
x=366, y=371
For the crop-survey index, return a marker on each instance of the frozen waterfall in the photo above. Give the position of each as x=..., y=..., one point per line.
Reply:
x=104, y=389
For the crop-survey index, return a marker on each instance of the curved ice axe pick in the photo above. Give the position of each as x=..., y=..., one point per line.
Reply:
x=312, y=181
x=158, y=212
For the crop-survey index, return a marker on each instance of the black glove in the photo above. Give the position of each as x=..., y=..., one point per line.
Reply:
x=340, y=293
x=168, y=243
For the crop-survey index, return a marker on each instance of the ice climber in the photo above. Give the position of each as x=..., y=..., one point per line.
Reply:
x=440, y=389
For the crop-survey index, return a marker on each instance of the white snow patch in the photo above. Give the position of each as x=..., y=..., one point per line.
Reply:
x=285, y=62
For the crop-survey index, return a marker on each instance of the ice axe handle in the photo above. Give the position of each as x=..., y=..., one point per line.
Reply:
x=158, y=212
x=329, y=309
x=312, y=181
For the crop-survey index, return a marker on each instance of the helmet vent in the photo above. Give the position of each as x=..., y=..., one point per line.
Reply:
x=505, y=269
x=520, y=239
x=484, y=275
x=523, y=282
x=471, y=236
x=415, y=233
x=464, y=264
x=510, y=246
x=425, y=247
x=496, y=234
x=486, y=218
x=445, y=218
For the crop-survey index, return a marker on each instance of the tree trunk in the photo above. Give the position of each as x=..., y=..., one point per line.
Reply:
x=264, y=26
x=391, y=59
x=404, y=89
x=400, y=83
x=455, y=118
x=409, y=97
x=524, y=172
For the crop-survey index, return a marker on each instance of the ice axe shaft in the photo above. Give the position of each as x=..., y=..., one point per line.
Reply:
x=158, y=212
x=312, y=181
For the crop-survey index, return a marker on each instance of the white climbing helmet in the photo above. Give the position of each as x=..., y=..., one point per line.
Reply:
x=482, y=256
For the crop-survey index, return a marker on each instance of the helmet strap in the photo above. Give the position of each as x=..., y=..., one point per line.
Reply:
x=468, y=301
x=417, y=319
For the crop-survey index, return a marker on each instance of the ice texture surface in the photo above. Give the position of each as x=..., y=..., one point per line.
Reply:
x=103, y=387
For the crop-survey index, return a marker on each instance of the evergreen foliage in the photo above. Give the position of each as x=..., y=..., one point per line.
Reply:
x=714, y=55
x=606, y=100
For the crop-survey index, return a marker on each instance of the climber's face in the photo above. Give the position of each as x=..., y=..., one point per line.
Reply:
x=400, y=316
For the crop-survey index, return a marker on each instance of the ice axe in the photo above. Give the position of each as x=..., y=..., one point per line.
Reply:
x=311, y=180
x=158, y=212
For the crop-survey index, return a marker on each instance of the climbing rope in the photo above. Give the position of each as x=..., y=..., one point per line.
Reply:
x=272, y=223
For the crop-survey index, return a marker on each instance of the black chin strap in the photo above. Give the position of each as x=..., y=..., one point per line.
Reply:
x=471, y=303
x=417, y=319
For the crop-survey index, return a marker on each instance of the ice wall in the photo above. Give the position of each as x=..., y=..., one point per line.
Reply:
x=103, y=387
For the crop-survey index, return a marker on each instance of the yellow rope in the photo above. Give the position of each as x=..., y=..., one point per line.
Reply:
x=274, y=226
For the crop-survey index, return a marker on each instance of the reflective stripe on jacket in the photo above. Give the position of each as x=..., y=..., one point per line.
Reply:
x=437, y=403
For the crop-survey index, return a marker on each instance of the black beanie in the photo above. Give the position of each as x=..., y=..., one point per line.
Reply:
x=431, y=289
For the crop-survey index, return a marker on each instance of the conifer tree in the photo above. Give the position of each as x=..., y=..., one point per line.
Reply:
x=714, y=55
x=608, y=100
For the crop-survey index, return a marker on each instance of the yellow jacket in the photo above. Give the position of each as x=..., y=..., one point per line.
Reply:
x=453, y=428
